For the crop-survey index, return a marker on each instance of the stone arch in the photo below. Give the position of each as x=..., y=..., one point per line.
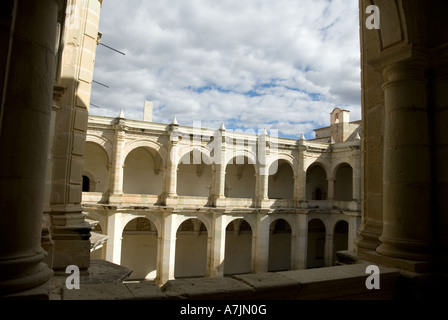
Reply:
x=139, y=247
x=191, y=249
x=290, y=159
x=194, y=176
x=235, y=155
x=336, y=164
x=196, y=151
x=96, y=166
x=316, y=182
x=238, y=247
x=201, y=218
x=316, y=243
x=281, y=180
x=153, y=145
x=340, y=239
x=240, y=180
x=343, y=182
x=280, y=244
x=143, y=171
x=103, y=142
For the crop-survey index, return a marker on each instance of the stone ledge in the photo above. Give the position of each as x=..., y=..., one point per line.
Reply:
x=339, y=282
x=273, y=286
x=116, y=291
x=343, y=282
x=207, y=289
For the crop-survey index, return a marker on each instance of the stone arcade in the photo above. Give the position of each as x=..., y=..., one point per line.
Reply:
x=43, y=126
x=250, y=203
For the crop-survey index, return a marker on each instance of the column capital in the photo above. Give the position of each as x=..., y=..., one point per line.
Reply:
x=408, y=53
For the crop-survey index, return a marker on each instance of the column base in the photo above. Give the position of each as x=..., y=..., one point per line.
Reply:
x=263, y=203
x=404, y=249
x=402, y=264
x=221, y=202
x=116, y=198
x=71, y=246
x=171, y=201
x=368, y=237
x=23, y=273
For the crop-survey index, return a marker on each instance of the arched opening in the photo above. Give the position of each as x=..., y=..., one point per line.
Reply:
x=191, y=249
x=240, y=178
x=279, y=246
x=142, y=173
x=238, y=248
x=343, y=183
x=316, y=183
x=85, y=184
x=281, y=181
x=139, y=249
x=316, y=244
x=340, y=237
x=194, y=176
x=96, y=163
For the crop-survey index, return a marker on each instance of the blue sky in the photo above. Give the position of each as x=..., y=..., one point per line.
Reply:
x=275, y=64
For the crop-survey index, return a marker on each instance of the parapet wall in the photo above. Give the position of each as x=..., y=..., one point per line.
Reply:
x=340, y=282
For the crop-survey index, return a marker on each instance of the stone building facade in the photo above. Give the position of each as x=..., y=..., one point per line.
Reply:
x=404, y=68
x=179, y=201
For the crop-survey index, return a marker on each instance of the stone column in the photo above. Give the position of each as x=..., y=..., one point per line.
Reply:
x=300, y=243
x=28, y=65
x=220, y=168
x=114, y=242
x=170, y=192
x=216, y=264
x=330, y=194
x=261, y=256
x=262, y=184
x=69, y=229
x=352, y=227
x=116, y=174
x=357, y=176
x=329, y=245
x=300, y=181
x=407, y=162
x=167, y=252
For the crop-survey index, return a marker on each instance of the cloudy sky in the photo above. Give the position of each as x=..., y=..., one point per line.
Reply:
x=275, y=64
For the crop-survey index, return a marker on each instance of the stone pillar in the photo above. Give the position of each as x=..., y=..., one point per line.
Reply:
x=167, y=252
x=216, y=264
x=329, y=245
x=300, y=181
x=117, y=172
x=330, y=194
x=69, y=229
x=357, y=176
x=352, y=227
x=26, y=103
x=261, y=256
x=115, y=234
x=262, y=183
x=300, y=243
x=170, y=192
x=407, y=162
x=220, y=168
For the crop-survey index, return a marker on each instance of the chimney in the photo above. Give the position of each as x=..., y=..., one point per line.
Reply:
x=147, y=111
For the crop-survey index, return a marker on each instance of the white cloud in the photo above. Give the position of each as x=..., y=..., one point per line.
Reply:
x=248, y=63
